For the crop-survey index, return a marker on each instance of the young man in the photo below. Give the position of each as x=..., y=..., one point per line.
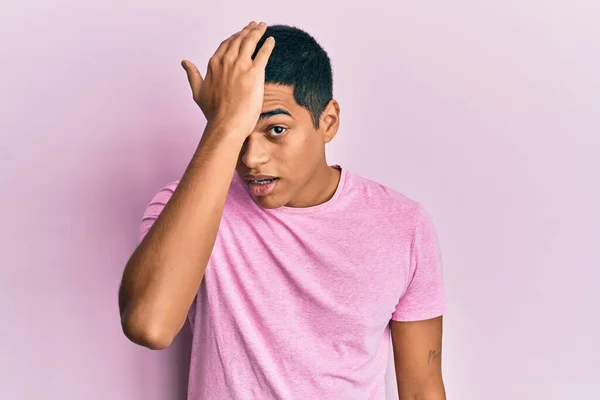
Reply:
x=292, y=273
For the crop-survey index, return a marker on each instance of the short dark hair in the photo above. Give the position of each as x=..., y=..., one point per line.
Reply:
x=300, y=62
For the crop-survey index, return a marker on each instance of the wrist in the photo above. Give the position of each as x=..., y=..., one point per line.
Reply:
x=225, y=132
x=220, y=139
x=228, y=129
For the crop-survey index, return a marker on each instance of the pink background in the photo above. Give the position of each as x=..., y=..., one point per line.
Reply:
x=487, y=114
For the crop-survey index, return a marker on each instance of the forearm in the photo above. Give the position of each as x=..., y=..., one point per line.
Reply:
x=164, y=273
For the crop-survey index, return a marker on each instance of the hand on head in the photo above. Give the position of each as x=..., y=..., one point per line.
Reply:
x=233, y=89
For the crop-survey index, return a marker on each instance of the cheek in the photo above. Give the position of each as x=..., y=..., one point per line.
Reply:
x=297, y=153
x=306, y=157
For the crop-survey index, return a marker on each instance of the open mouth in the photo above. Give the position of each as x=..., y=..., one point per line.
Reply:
x=262, y=187
x=263, y=181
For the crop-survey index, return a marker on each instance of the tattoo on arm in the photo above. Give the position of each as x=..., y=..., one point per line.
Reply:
x=433, y=355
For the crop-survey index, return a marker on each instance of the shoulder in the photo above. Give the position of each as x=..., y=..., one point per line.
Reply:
x=380, y=198
x=155, y=206
x=162, y=196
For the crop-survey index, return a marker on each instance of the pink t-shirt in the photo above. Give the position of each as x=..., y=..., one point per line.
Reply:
x=296, y=302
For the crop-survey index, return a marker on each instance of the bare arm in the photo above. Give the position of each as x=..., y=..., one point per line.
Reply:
x=418, y=359
x=164, y=273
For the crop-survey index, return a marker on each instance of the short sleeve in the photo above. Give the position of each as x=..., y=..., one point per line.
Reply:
x=155, y=207
x=424, y=297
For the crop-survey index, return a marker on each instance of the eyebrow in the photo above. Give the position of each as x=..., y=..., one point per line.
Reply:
x=271, y=113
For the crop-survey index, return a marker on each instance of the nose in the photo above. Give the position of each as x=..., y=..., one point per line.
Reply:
x=254, y=151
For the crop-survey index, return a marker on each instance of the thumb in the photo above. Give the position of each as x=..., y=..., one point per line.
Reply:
x=193, y=75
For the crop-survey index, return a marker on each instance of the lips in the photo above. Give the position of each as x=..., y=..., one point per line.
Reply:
x=263, y=186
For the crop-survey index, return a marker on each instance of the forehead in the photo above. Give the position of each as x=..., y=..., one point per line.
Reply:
x=282, y=97
x=276, y=96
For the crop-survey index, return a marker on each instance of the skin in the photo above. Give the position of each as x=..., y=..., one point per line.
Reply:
x=268, y=133
x=162, y=276
x=418, y=359
x=285, y=144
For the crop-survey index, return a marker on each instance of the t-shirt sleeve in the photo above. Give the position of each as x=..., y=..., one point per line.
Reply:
x=155, y=207
x=424, y=297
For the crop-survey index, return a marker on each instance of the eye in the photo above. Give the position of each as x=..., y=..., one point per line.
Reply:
x=277, y=130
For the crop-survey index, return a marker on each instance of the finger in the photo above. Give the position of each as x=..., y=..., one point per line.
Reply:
x=262, y=56
x=194, y=76
x=224, y=46
x=251, y=40
x=235, y=43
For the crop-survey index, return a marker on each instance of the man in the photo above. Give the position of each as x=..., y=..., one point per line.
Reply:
x=291, y=272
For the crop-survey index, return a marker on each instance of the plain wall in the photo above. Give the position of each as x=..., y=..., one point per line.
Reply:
x=485, y=112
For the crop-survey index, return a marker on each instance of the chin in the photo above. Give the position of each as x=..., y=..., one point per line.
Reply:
x=268, y=202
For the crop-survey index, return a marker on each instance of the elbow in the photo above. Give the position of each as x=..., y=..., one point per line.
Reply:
x=145, y=333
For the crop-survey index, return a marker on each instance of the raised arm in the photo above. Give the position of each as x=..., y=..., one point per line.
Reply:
x=163, y=275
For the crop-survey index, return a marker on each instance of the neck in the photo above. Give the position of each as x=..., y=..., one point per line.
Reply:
x=320, y=188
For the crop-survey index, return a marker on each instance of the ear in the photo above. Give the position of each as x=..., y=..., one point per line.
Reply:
x=330, y=120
